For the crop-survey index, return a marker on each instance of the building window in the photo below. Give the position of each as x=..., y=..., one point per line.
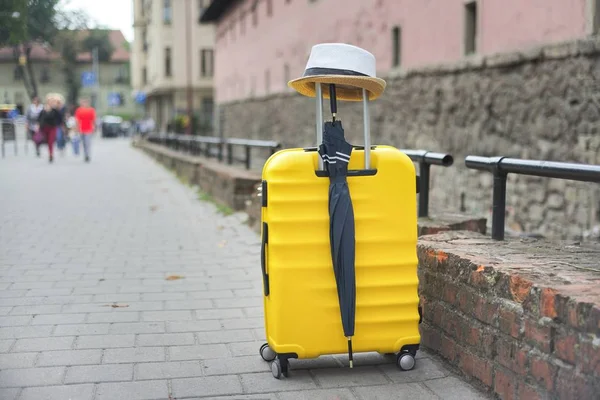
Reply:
x=17, y=76
x=144, y=75
x=242, y=22
x=167, y=11
x=470, y=27
x=286, y=74
x=269, y=7
x=202, y=6
x=206, y=62
x=45, y=75
x=122, y=75
x=267, y=81
x=168, y=61
x=396, y=46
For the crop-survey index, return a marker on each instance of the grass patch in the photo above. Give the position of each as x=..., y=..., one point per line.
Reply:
x=221, y=208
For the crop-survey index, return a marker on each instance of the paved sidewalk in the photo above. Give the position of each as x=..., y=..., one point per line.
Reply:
x=86, y=311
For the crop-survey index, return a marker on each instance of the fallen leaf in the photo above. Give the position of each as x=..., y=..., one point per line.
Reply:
x=101, y=279
x=153, y=208
x=222, y=243
x=480, y=268
x=174, y=277
x=115, y=305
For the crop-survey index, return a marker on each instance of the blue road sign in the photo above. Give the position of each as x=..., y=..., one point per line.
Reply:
x=88, y=78
x=114, y=99
x=140, y=97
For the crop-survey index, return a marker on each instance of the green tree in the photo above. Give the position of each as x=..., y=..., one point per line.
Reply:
x=98, y=38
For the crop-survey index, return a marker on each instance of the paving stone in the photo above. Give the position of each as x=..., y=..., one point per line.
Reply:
x=134, y=355
x=452, y=388
x=6, y=344
x=188, y=304
x=99, y=373
x=120, y=316
x=245, y=348
x=219, y=314
x=207, y=386
x=44, y=344
x=116, y=298
x=347, y=377
x=16, y=321
x=243, y=323
x=425, y=369
x=31, y=377
x=319, y=394
x=68, y=392
x=235, y=365
x=105, y=341
x=239, y=335
x=11, y=394
x=145, y=390
x=55, y=319
x=166, y=315
x=194, y=326
x=137, y=327
x=42, y=309
x=265, y=382
x=81, y=329
x=198, y=352
x=166, y=339
x=69, y=357
x=405, y=391
x=212, y=294
x=17, y=360
x=169, y=370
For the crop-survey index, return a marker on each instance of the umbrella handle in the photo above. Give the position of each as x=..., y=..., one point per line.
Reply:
x=333, y=100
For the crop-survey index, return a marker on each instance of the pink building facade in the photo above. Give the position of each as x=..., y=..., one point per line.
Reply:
x=261, y=44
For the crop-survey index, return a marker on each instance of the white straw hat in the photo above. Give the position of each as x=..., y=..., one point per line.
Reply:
x=350, y=68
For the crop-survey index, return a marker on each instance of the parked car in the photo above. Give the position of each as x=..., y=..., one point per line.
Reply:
x=111, y=126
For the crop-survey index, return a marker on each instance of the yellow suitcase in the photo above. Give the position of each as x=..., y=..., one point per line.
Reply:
x=301, y=309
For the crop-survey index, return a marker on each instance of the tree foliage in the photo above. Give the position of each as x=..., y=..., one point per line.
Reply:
x=98, y=38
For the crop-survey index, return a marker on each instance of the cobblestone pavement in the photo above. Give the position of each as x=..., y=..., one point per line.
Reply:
x=86, y=311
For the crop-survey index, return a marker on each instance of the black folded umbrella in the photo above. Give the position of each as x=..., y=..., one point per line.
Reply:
x=335, y=152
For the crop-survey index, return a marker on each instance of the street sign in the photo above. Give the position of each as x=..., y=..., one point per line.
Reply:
x=114, y=99
x=88, y=79
x=140, y=97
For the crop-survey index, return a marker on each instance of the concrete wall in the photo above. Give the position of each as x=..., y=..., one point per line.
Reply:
x=541, y=103
x=432, y=32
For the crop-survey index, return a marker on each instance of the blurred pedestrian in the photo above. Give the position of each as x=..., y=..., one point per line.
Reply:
x=32, y=125
x=49, y=120
x=61, y=131
x=85, y=115
x=72, y=132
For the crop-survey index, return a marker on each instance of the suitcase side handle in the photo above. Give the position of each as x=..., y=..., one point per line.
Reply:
x=263, y=257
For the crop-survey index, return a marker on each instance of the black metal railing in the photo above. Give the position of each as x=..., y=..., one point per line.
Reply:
x=500, y=167
x=426, y=159
x=214, y=147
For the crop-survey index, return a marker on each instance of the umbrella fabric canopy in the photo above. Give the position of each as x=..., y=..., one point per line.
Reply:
x=335, y=152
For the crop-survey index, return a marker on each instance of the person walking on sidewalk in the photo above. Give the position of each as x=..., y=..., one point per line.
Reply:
x=32, y=115
x=86, y=125
x=49, y=119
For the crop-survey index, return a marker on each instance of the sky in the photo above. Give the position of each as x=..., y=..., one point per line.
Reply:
x=114, y=14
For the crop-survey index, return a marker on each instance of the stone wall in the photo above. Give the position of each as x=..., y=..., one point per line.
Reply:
x=520, y=317
x=543, y=103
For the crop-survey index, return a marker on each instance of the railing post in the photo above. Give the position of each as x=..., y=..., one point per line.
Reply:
x=229, y=153
x=207, y=150
x=221, y=151
x=499, y=204
x=424, y=169
x=248, y=160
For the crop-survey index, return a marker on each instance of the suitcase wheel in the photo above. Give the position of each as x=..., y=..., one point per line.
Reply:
x=279, y=367
x=267, y=353
x=405, y=361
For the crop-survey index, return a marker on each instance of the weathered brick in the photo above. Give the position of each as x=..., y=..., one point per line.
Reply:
x=543, y=371
x=505, y=384
x=538, y=334
x=547, y=303
x=589, y=352
x=527, y=392
x=450, y=293
x=566, y=344
x=570, y=385
x=448, y=348
x=519, y=288
x=430, y=337
x=483, y=310
x=510, y=320
x=511, y=355
x=475, y=366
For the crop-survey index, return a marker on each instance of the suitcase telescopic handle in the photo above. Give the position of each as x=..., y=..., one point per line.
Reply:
x=366, y=123
x=263, y=257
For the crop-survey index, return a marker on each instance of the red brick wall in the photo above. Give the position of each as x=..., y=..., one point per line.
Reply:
x=498, y=311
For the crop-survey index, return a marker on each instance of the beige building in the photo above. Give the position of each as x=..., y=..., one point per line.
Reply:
x=114, y=77
x=172, y=59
